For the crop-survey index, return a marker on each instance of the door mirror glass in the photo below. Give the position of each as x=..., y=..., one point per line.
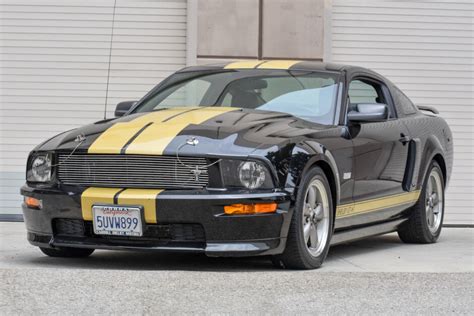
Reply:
x=123, y=107
x=368, y=112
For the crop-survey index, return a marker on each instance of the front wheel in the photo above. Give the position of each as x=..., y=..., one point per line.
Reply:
x=426, y=219
x=311, y=225
x=67, y=252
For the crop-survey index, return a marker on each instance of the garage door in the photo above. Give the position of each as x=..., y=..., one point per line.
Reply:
x=54, y=68
x=426, y=47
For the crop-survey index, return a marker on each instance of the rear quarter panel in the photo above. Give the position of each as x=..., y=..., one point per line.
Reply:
x=433, y=137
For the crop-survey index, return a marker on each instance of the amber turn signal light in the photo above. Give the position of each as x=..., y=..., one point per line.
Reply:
x=32, y=202
x=235, y=209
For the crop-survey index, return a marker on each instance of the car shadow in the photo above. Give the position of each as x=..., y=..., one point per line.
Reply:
x=156, y=261
x=368, y=245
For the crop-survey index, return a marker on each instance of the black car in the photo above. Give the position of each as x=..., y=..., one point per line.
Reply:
x=279, y=158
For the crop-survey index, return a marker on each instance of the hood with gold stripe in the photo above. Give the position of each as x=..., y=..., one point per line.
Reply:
x=153, y=132
x=219, y=130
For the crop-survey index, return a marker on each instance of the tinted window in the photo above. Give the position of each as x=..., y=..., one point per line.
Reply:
x=364, y=92
x=403, y=102
x=369, y=91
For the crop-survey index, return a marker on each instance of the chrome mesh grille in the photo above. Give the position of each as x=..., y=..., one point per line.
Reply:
x=131, y=171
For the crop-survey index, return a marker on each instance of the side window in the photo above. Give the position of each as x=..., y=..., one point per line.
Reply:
x=403, y=102
x=367, y=91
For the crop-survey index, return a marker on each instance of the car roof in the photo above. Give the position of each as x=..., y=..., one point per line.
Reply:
x=275, y=64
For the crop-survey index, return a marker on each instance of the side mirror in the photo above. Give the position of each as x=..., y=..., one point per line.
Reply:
x=368, y=112
x=123, y=108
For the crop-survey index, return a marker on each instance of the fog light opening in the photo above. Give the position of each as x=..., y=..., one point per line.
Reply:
x=260, y=208
x=33, y=203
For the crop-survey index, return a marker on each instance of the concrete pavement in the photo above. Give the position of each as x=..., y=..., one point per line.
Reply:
x=377, y=275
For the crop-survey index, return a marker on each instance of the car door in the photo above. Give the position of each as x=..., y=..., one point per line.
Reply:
x=379, y=154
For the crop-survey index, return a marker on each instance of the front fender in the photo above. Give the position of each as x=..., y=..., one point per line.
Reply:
x=303, y=157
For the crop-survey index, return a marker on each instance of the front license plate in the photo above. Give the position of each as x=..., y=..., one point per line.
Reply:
x=117, y=220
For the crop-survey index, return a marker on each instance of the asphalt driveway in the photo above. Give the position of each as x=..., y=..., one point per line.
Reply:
x=374, y=276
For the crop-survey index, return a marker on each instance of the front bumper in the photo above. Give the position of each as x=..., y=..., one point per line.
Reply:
x=187, y=221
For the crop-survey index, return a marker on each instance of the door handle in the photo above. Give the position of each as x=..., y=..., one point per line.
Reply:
x=404, y=139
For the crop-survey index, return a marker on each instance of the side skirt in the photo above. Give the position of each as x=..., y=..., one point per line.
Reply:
x=360, y=233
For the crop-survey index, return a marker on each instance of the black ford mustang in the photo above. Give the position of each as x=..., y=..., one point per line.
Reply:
x=279, y=158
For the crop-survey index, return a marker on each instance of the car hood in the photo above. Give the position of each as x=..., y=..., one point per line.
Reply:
x=188, y=131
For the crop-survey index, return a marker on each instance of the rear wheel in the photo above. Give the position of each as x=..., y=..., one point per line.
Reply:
x=426, y=219
x=311, y=225
x=67, y=252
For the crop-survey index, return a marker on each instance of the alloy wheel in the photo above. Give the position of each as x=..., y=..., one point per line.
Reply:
x=434, y=201
x=316, y=218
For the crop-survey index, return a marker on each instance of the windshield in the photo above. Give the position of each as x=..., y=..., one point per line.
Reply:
x=306, y=94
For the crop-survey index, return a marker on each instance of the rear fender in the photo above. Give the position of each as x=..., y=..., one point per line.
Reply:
x=431, y=148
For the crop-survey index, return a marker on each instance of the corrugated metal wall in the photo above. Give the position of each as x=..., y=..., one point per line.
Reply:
x=54, y=63
x=426, y=48
x=54, y=60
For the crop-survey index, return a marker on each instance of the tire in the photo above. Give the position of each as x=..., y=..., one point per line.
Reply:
x=426, y=218
x=67, y=252
x=309, y=252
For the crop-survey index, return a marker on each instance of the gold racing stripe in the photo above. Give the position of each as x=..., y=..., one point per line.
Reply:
x=154, y=139
x=114, y=138
x=110, y=196
x=244, y=64
x=376, y=204
x=278, y=64
x=93, y=196
x=141, y=197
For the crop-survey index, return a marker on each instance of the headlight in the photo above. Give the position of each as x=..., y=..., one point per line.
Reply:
x=247, y=174
x=251, y=174
x=39, y=169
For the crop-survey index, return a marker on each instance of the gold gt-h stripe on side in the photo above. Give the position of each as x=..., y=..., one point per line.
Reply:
x=376, y=204
x=149, y=134
x=109, y=196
